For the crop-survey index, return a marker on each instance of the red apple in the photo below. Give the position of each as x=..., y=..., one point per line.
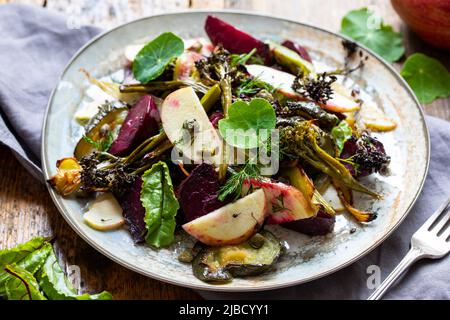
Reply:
x=430, y=19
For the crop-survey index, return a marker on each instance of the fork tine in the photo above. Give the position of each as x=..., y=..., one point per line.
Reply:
x=437, y=228
x=435, y=215
x=446, y=233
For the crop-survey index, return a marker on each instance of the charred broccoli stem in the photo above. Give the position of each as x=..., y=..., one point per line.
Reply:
x=309, y=111
x=345, y=196
x=300, y=141
x=159, y=86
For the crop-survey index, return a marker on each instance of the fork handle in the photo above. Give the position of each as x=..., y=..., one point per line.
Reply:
x=412, y=256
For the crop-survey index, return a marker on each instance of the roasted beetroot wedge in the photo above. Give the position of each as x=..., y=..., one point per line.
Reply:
x=319, y=225
x=198, y=192
x=233, y=39
x=294, y=46
x=133, y=211
x=141, y=123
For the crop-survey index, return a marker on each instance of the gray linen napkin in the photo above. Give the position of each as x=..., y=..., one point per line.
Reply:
x=35, y=44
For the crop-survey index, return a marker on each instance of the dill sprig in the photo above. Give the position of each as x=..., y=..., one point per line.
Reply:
x=103, y=144
x=233, y=186
x=252, y=86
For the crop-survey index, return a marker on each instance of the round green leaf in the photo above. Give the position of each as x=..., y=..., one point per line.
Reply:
x=428, y=78
x=368, y=29
x=153, y=58
x=248, y=124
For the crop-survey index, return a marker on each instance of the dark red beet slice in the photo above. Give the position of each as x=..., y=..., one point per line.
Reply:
x=133, y=211
x=215, y=118
x=294, y=46
x=233, y=39
x=319, y=225
x=198, y=192
x=140, y=124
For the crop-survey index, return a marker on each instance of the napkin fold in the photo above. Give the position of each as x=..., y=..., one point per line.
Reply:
x=36, y=44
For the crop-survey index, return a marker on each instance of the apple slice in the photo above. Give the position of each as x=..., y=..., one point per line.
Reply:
x=132, y=50
x=280, y=80
x=104, y=213
x=341, y=101
x=374, y=118
x=230, y=224
x=200, y=45
x=185, y=65
x=284, y=203
x=188, y=127
x=331, y=196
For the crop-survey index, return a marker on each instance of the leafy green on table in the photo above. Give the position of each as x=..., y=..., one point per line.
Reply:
x=428, y=78
x=365, y=27
x=341, y=133
x=248, y=123
x=31, y=263
x=161, y=205
x=22, y=285
x=30, y=271
x=8, y=256
x=153, y=58
x=57, y=286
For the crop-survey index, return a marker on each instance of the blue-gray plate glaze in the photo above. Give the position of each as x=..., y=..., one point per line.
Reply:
x=307, y=258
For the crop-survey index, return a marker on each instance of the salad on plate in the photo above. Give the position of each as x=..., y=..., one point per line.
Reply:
x=219, y=139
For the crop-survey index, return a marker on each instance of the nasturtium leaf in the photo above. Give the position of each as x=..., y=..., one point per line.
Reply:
x=57, y=286
x=22, y=285
x=153, y=58
x=365, y=27
x=341, y=133
x=161, y=205
x=248, y=124
x=8, y=256
x=31, y=263
x=428, y=78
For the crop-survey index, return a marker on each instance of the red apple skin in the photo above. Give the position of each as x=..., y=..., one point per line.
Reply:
x=430, y=19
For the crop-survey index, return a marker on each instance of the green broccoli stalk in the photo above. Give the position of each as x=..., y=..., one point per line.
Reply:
x=301, y=141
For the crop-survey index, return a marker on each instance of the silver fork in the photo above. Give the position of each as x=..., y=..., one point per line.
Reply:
x=431, y=241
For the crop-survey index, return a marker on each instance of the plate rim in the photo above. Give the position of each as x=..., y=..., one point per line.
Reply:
x=205, y=286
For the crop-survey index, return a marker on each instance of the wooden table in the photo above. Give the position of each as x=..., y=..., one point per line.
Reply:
x=26, y=209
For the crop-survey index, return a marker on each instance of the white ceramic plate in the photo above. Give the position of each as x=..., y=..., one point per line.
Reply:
x=307, y=258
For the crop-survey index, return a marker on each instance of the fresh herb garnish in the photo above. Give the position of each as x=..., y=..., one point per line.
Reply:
x=233, y=186
x=245, y=122
x=236, y=59
x=161, y=205
x=341, y=133
x=252, y=86
x=153, y=58
x=427, y=77
x=368, y=29
x=103, y=144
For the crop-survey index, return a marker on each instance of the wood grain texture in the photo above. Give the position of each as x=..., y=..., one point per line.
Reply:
x=26, y=209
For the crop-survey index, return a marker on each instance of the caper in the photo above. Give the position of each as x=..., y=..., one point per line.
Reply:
x=257, y=241
x=186, y=256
